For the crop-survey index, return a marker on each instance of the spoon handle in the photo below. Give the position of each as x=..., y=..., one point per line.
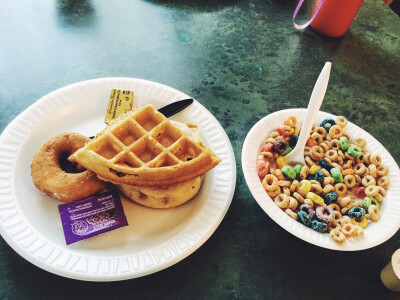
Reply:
x=317, y=96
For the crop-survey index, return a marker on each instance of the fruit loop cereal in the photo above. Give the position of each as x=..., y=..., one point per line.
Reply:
x=339, y=190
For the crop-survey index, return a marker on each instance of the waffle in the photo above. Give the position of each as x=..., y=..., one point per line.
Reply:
x=163, y=197
x=144, y=148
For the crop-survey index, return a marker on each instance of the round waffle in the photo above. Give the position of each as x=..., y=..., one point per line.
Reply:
x=144, y=148
x=163, y=196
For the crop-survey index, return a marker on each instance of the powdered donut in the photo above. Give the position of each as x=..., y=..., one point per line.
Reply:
x=55, y=176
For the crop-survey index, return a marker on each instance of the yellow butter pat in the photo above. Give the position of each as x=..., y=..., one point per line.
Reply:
x=120, y=102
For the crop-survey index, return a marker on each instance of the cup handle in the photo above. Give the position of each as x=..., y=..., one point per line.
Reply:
x=298, y=27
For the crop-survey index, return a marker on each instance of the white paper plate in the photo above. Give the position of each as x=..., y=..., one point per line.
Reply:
x=376, y=232
x=155, y=239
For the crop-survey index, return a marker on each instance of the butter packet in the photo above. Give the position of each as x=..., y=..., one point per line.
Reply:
x=120, y=102
x=91, y=216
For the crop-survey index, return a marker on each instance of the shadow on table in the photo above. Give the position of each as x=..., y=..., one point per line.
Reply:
x=76, y=13
x=354, y=53
x=361, y=52
x=196, y=5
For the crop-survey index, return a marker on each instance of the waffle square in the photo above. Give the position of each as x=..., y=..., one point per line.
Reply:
x=144, y=148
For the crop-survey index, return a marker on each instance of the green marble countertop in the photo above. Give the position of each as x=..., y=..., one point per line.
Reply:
x=242, y=60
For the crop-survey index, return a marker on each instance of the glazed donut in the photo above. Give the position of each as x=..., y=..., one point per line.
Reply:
x=55, y=176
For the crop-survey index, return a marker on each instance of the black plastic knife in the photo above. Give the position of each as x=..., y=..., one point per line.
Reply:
x=175, y=107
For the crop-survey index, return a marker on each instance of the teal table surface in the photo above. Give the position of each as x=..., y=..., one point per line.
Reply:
x=242, y=60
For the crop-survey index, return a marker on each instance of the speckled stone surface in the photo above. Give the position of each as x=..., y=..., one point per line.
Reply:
x=242, y=60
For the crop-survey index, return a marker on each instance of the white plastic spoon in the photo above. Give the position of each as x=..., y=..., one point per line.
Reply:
x=296, y=156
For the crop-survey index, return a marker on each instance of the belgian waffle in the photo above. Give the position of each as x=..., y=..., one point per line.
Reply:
x=144, y=148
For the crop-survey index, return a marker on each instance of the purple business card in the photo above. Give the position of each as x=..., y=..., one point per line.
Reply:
x=91, y=216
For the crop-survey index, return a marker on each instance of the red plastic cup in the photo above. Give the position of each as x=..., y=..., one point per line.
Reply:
x=335, y=16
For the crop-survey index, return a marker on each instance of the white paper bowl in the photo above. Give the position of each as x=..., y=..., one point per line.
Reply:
x=376, y=232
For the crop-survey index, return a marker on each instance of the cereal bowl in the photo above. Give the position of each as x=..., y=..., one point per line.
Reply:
x=376, y=232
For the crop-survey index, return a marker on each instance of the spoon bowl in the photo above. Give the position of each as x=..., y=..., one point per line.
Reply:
x=296, y=156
